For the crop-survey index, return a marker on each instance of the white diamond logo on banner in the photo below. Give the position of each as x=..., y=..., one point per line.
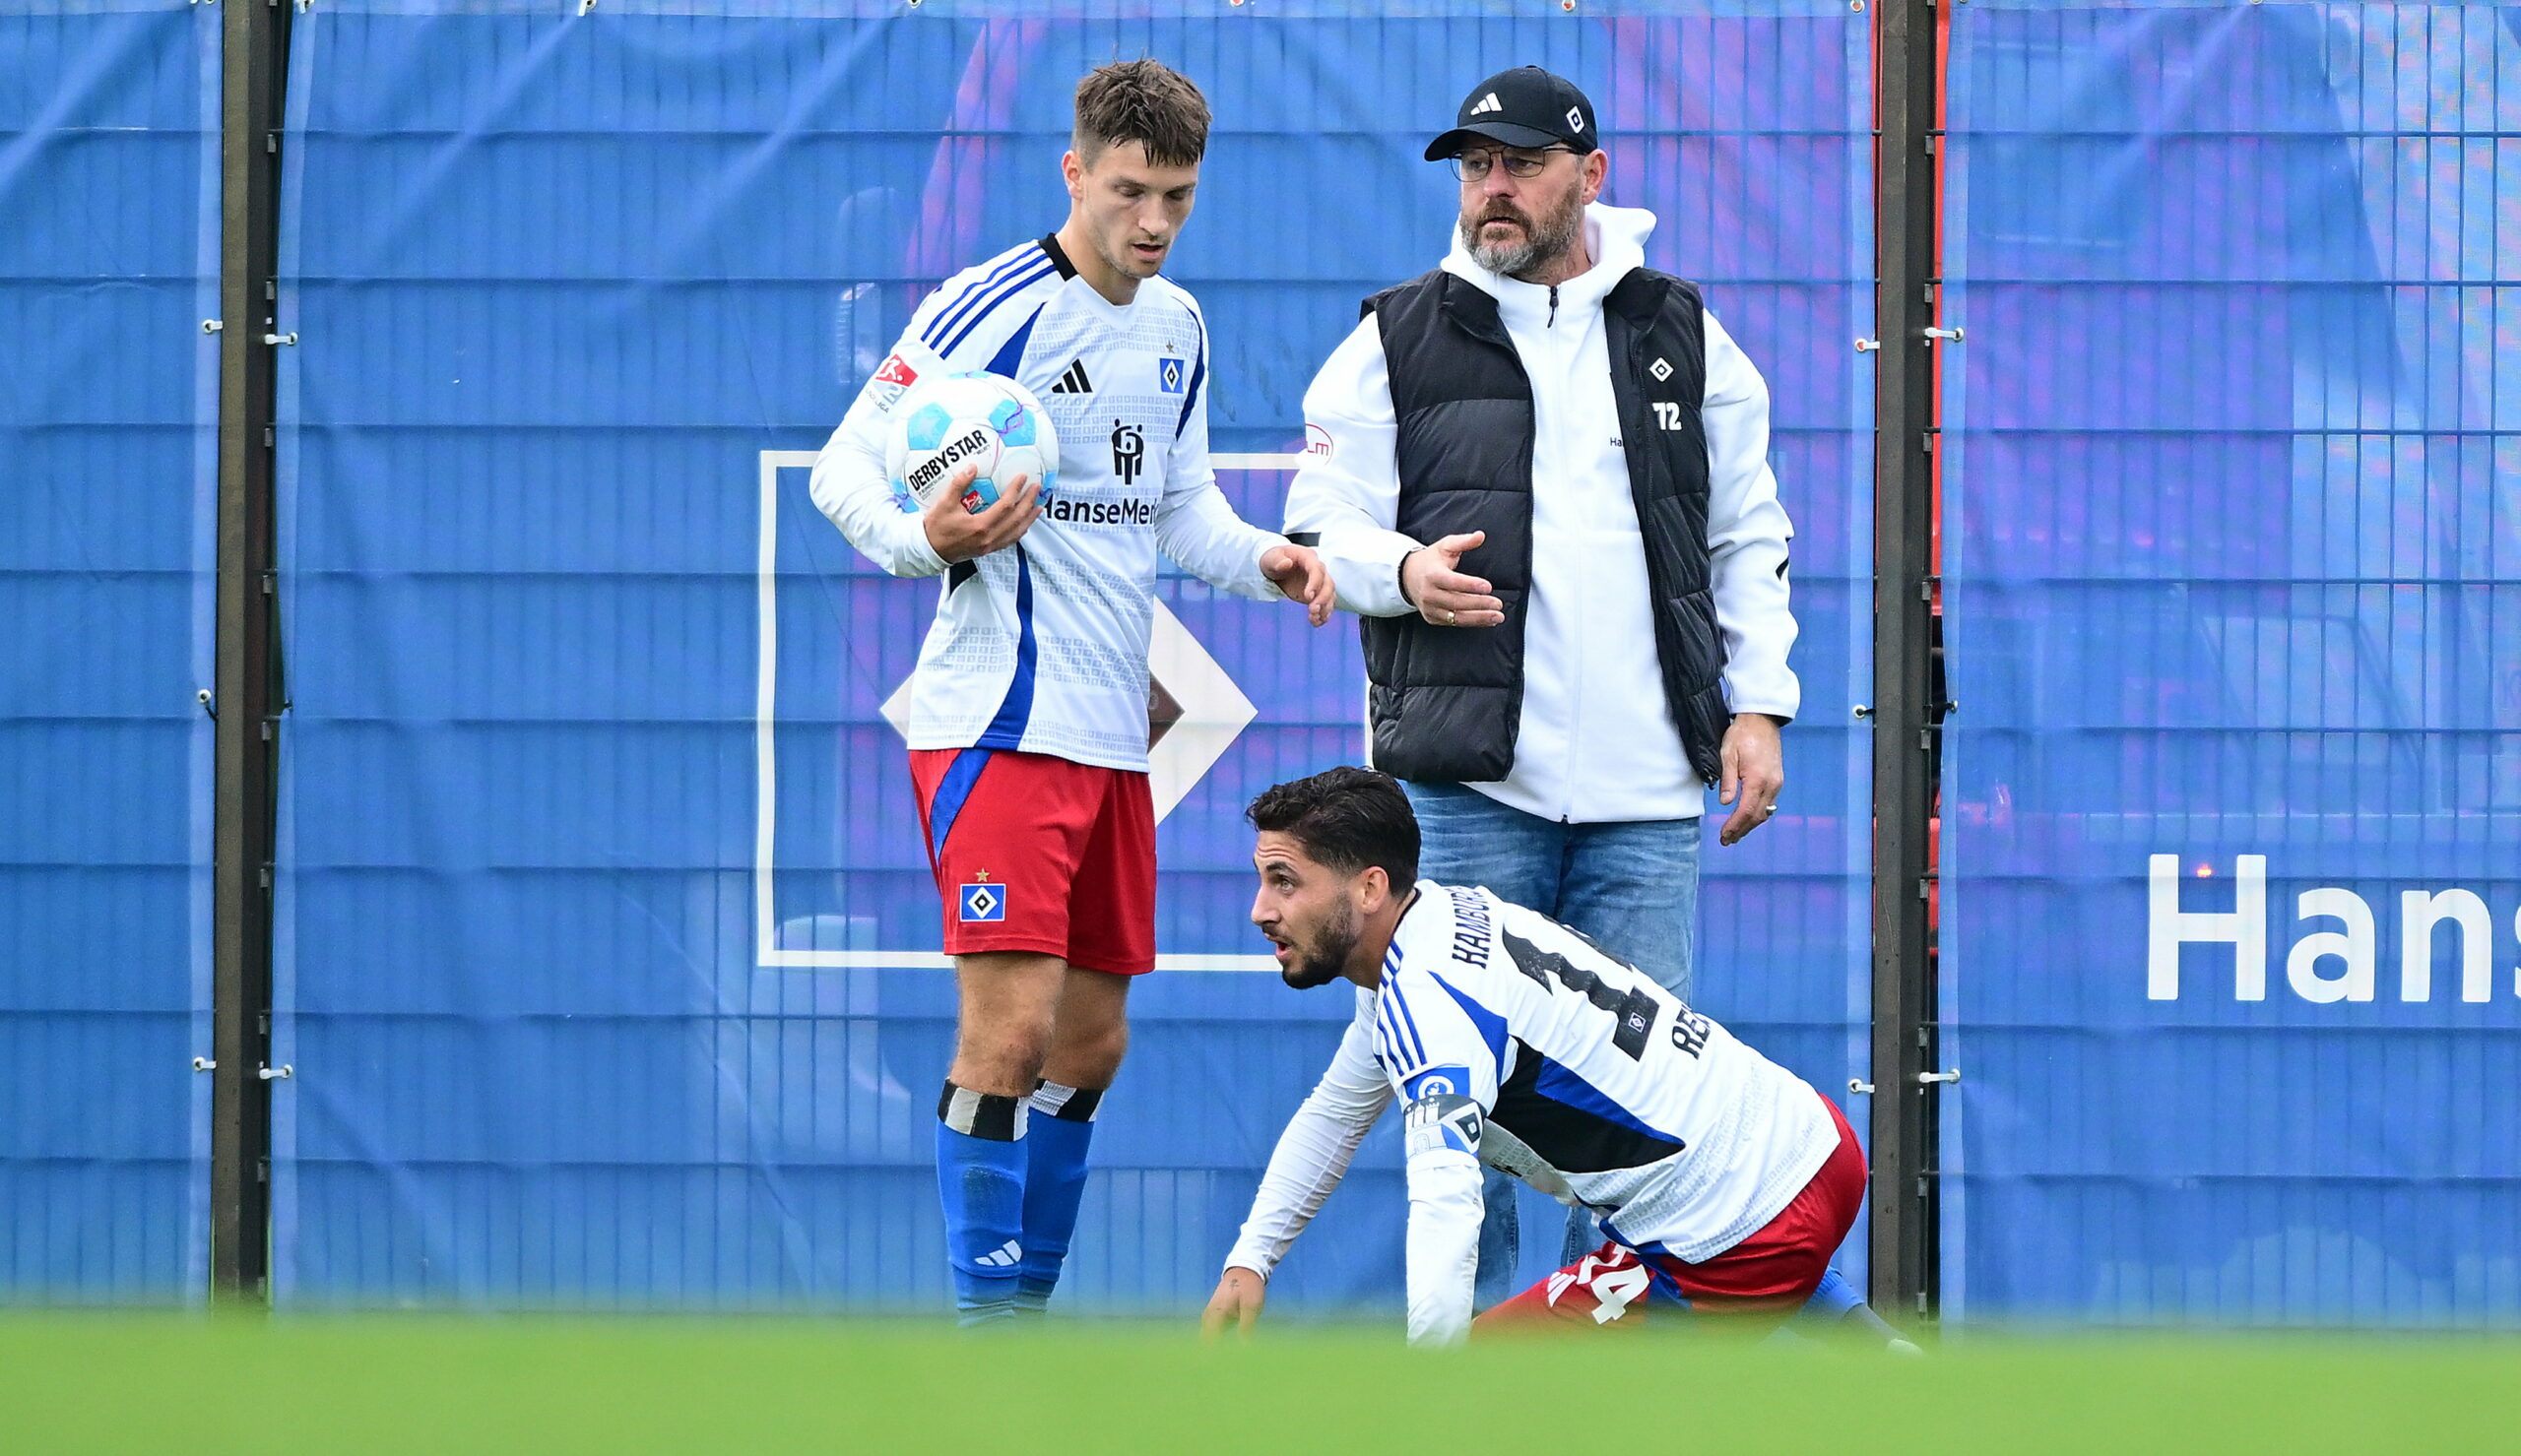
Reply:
x=1194, y=712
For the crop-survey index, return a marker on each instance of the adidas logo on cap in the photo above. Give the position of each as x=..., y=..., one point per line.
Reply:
x=1488, y=103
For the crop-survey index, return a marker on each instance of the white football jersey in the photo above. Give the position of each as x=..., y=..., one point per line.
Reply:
x=1511, y=1038
x=1043, y=647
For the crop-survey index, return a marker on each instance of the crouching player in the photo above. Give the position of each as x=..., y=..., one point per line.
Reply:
x=1028, y=710
x=1723, y=1182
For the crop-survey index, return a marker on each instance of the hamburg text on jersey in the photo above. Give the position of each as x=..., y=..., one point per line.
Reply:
x=1596, y=1084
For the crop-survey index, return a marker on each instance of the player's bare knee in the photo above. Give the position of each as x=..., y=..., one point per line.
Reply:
x=1087, y=1051
x=1095, y=1064
x=1003, y=1061
x=1093, y=1034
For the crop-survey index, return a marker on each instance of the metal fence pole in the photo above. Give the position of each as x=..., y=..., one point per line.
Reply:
x=253, y=64
x=1907, y=710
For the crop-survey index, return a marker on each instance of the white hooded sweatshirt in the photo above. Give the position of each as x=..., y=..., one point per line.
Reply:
x=1597, y=742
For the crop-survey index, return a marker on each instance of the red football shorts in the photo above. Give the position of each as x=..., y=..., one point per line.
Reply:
x=1037, y=853
x=1763, y=1279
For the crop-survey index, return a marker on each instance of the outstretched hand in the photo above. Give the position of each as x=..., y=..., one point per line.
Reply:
x=1298, y=571
x=1443, y=595
x=959, y=535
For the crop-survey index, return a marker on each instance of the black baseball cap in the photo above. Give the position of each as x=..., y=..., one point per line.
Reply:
x=1527, y=106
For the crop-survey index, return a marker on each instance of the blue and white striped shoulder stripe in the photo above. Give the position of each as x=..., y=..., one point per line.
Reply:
x=1005, y=279
x=1398, y=1027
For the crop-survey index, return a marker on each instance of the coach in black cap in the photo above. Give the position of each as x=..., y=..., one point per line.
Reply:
x=1539, y=474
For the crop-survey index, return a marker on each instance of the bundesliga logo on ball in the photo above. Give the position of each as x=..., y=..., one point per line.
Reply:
x=976, y=418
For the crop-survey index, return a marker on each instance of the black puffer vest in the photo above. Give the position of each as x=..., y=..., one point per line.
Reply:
x=1446, y=703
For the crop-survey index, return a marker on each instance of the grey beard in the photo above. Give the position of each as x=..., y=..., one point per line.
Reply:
x=1509, y=259
x=1548, y=240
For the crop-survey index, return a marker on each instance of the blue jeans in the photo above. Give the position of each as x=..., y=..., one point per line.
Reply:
x=1633, y=887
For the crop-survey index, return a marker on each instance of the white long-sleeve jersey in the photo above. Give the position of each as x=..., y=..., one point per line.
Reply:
x=1596, y=743
x=1513, y=1042
x=1042, y=647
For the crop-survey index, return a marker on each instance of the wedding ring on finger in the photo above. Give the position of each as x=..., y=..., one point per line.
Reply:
x=1449, y=617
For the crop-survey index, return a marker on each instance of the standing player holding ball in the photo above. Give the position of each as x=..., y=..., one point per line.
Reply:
x=1028, y=728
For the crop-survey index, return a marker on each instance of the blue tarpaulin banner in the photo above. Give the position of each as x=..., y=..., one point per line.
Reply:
x=2231, y=816
x=108, y=416
x=606, y=956
x=606, y=952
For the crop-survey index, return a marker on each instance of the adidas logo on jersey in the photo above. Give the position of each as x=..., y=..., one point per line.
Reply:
x=1073, y=382
x=1488, y=103
x=1006, y=1256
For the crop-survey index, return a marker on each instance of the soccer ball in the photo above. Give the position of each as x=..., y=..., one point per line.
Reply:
x=970, y=419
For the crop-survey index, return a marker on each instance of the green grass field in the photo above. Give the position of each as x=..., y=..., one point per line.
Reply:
x=444, y=1385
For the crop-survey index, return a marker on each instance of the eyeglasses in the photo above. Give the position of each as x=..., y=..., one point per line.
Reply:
x=1473, y=167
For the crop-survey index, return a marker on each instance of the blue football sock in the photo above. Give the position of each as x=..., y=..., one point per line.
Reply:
x=1833, y=1298
x=979, y=1178
x=1062, y=1128
x=1837, y=1305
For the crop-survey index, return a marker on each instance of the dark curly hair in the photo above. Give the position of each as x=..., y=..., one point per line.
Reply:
x=1347, y=818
